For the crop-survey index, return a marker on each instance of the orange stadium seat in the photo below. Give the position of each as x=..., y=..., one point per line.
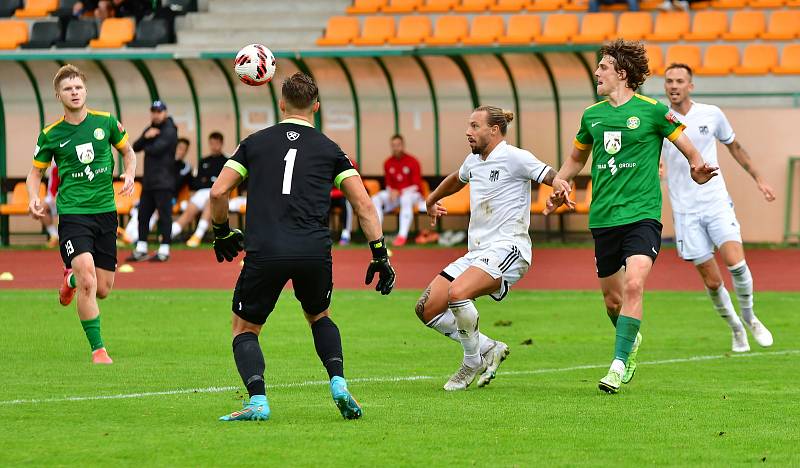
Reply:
x=790, y=61
x=377, y=30
x=670, y=26
x=757, y=59
x=450, y=29
x=539, y=203
x=596, y=28
x=708, y=26
x=545, y=5
x=457, y=203
x=18, y=203
x=360, y=7
x=729, y=4
x=719, y=59
x=783, y=25
x=340, y=31
x=655, y=58
x=582, y=207
x=793, y=3
x=634, y=26
x=412, y=30
x=650, y=5
x=36, y=8
x=373, y=186
x=485, y=30
x=437, y=6
x=13, y=33
x=473, y=6
x=559, y=28
x=510, y=6
x=114, y=33
x=576, y=5
x=688, y=54
x=402, y=6
x=124, y=204
x=745, y=25
x=522, y=29
x=772, y=4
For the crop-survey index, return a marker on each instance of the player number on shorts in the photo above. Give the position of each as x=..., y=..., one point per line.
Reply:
x=288, y=171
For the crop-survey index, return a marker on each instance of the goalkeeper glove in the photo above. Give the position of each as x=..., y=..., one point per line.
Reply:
x=227, y=242
x=380, y=264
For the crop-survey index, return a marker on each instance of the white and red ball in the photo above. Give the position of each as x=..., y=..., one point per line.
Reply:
x=255, y=65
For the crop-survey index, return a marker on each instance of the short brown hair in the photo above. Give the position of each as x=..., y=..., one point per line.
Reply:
x=497, y=116
x=300, y=91
x=67, y=72
x=674, y=65
x=631, y=57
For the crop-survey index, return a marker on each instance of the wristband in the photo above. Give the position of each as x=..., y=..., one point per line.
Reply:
x=378, y=248
x=221, y=229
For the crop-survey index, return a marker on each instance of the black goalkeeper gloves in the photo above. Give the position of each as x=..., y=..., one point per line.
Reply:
x=380, y=265
x=227, y=242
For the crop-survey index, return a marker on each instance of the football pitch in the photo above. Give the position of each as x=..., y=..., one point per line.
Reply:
x=690, y=403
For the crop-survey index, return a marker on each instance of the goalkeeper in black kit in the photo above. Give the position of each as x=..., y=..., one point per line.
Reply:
x=291, y=167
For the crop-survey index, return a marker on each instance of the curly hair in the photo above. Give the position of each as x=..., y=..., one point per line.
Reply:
x=629, y=56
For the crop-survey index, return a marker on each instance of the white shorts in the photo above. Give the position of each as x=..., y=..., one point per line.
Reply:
x=697, y=234
x=501, y=261
x=200, y=198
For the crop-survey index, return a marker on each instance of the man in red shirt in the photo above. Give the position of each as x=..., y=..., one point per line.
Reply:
x=403, y=188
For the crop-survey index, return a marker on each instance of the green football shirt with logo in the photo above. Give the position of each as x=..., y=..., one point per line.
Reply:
x=626, y=147
x=85, y=162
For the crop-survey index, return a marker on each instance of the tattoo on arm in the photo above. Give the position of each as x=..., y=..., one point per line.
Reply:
x=420, y=307
x=549, y=177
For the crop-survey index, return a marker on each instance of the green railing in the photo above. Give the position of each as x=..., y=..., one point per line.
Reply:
x=788, y=233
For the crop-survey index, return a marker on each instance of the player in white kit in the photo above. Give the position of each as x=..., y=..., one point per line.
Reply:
x=499, y=253
x=699, y=231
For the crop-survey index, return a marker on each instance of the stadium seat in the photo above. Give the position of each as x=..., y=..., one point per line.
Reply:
x=655, y=58
x=44, y=34
x=688, y=54
x=771, y=4
x=372, y=186
x=670, y=27
x=114, y=33
x=449, y=30
x=361, y=7
x=719, y=59
x=437, y=6
x=783, y=25
x=124, y=204
x=545, y=5
x=757, y=59
x=340, y=31
x=377, y=30
x=596, y=28
x=79, y=33
x=522, y=29
x=559, y=28
x=793, y=3
x=729, y=4
x=8, y=7
x=539, y=203
x=582, y=207
x=509, y=6
x=707, y=26
x=64, y=9
x=458, y=203
x=473, y=6
x=651, y=5
x=151, y=32
x=402, y=6
x=412, y=30
x=634, y=26
x=745, y=26
x=37, y=8
x=13, y=33
x=18, y=203
x=790, y=61
x=485, y=30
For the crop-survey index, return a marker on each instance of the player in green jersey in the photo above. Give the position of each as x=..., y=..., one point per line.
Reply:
x=624, y=135
x=80, y=144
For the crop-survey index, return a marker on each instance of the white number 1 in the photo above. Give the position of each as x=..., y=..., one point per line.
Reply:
x=288, y=171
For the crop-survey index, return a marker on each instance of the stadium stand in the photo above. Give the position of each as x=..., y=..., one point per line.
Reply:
x=449, y=30
x=8, y=7
x=708, y=26
x=745, y=26
x=655, y=57
x=670, y=27
x=688, y=54
x=790, y=61
x=18, y=203
x=114, y=32
x=559, y=28
x=79, y=33
x=437, y=6
x=473, y=6
x=412, y=30
x=44, y=34
x=596, y=28
x=361, y=7
x=784, y=25
x=13, y=33
x=485, y=30
x=522, y=29
x=151, y=32
x=719, y=59
x=509, y=6
x=65, y=8
x=341, y=30
x=377, y=30
x=634, y=26
x=402, y=6
x=757, y=59
x=37, y=8
x=545, y=5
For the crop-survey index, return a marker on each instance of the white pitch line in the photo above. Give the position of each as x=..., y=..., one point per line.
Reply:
x=412, y=378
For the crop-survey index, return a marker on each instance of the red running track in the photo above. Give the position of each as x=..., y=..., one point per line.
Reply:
x=556, y=268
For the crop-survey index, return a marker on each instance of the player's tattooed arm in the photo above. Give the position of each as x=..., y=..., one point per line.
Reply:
x=420, y=307
x=550, y=177
x=743, y=158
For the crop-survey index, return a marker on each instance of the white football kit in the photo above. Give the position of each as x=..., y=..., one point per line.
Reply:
x=703, y=214
x=500, y=201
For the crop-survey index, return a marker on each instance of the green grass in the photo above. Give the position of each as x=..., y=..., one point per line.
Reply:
x=720, y=412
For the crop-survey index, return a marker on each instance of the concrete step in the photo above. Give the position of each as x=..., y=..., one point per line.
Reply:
x=232, y=21
x=288, y=39
x=273, y=7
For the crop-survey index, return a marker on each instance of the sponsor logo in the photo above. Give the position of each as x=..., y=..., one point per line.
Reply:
x=99, y=134
x=654, y=250
x=596, y=123
x=612, y=142
x=85, y=153
x=612, y=166
x=671, y=117
x=61, y=145
x=120, y=127
x=633, y=122
x=89, y=173
x=703, y=129
x=292, y=135
x=494, y=175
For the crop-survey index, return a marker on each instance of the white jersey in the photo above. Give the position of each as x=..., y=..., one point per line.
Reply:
x=500, y=197
x=705, y=124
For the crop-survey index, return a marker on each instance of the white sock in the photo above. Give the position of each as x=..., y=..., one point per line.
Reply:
x=405, y=218
x=467, y=322
x=618, y=366
x=724, y=305
x=141, y=246
x=153, y=221
x=345, y=234
x=163, y=249
x=176, y=229
x=52, y=230
x=743, y=285
x=202, y=227
x=445, y=323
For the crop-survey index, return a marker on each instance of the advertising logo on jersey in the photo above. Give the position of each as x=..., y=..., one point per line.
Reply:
x=633, y=122
x=612, y=142
x=671, y=117
x=292, y=135
x=99, y=134
x=85, y=153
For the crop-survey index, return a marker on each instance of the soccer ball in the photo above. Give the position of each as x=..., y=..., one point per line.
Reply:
x=255, y=65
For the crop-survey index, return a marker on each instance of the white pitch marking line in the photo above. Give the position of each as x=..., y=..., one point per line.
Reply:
x=412, y=378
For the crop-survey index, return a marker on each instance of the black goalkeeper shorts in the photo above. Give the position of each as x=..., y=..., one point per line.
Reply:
x=93, y=233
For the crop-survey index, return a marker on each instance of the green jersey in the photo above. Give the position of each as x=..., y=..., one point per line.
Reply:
x=626, y=147
x=85, y=163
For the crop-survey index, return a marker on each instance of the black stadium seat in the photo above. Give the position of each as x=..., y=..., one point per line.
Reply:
x=79, y=33
x=151, y=32
x=181, y=7
x=65, y=8
x=8, y=7
x=44, y=35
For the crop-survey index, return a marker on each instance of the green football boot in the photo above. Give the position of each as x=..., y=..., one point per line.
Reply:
x=630, y=366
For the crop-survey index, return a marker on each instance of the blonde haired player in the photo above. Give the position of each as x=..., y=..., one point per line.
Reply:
x=499, y=253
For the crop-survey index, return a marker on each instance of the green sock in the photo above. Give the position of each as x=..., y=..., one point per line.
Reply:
x=71, y=281
x=627, y=328
x=613, y=319
x=92, y=330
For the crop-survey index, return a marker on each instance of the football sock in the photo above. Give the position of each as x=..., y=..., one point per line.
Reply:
x=163, y=249
x=743, y=285
x=724, y=305
x=467, y=322
x=613, y=319
x=328, y=343
x=445, y=323
x=405, y=218
x=202, y=227
x=141, y=246
x=92, y=330
x=52, y=230
x=250, y=362
x=627, y=328
x=71, y=281
x=176, y=229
